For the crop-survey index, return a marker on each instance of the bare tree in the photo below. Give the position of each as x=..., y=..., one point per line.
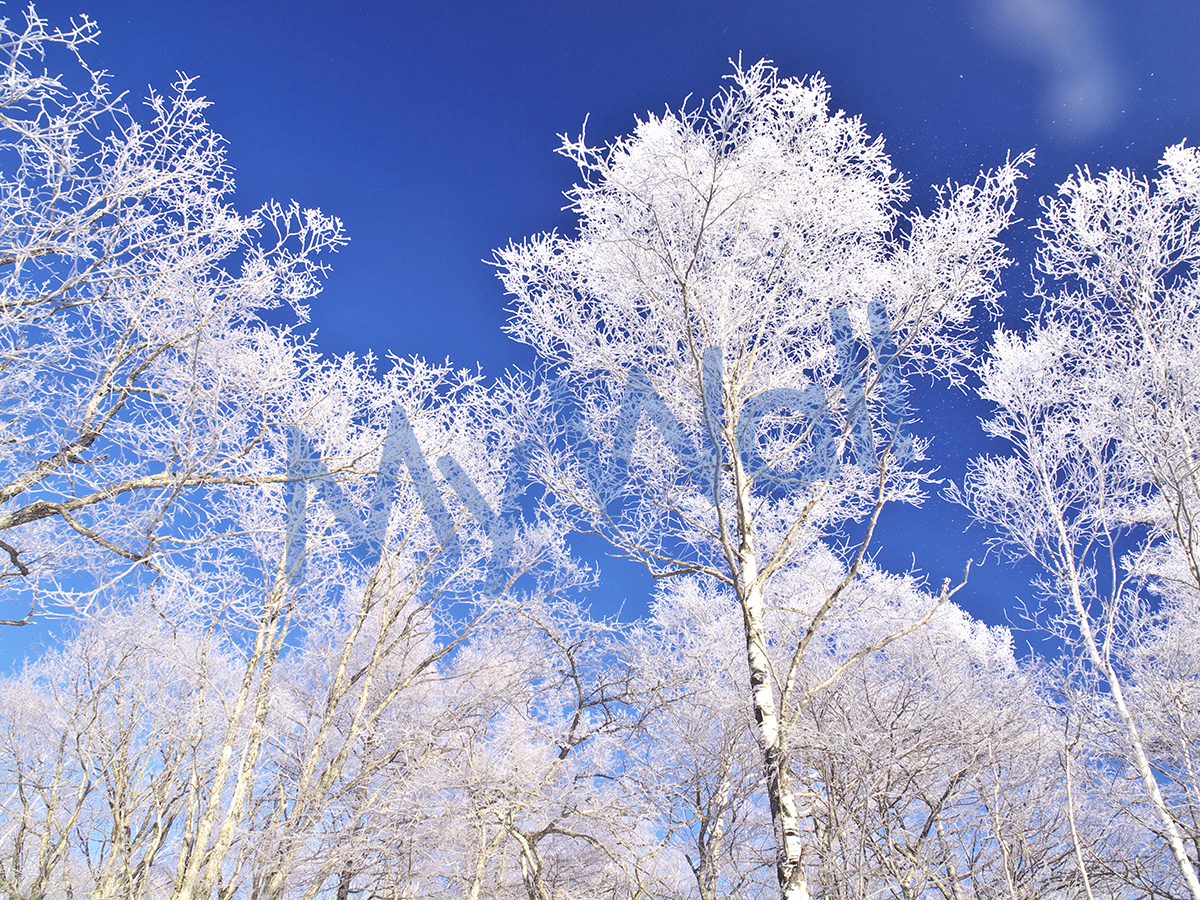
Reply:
x=731, y=261
x=1098, y=403
x=327, y=671
x=103, y=740
x=135, y=371
x=938, y=770
x=698, y=773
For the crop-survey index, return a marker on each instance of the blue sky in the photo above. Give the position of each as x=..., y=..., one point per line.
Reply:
x=429, y=129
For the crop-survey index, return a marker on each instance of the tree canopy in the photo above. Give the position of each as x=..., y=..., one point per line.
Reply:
x=329, y=638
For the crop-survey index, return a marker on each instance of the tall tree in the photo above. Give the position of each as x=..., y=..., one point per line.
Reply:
x=731, y=261
x=1098, y=402
x=253, y=729
x=105, y=742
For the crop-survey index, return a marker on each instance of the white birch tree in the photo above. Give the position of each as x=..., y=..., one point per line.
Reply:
x=1098, y=404
x=103, y=739
x=331, y=675
x=932, y=769
x=732, y=259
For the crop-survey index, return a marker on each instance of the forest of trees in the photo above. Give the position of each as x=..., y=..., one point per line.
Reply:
x=326, y=635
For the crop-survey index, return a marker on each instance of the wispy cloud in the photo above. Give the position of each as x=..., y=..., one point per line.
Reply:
x=1064, y=39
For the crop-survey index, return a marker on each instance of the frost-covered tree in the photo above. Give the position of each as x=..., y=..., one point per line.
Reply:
x=99, y=742
x=936, y=765
x=1098, y=401
x=699, y=772
x=259, y=726
x=934, y=769
x=165, y=450
x=136, y=372
x=732, y=262
x=535, y=794
x=334, y=651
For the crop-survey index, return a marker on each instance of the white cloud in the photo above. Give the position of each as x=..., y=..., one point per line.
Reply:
x=1080, y=93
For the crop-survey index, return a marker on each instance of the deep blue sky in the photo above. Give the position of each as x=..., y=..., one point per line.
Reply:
x=428, y=128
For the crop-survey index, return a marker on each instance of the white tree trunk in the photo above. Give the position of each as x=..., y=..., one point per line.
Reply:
x=772, y=738
x=1098, y=659
x=203, y=864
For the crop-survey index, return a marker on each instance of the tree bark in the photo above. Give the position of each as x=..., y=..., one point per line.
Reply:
x=1137, y=747
x=772, y=739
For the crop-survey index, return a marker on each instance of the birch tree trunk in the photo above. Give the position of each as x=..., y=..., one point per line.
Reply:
x=200, y=868
x=772, y=735
x=1141, y=762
